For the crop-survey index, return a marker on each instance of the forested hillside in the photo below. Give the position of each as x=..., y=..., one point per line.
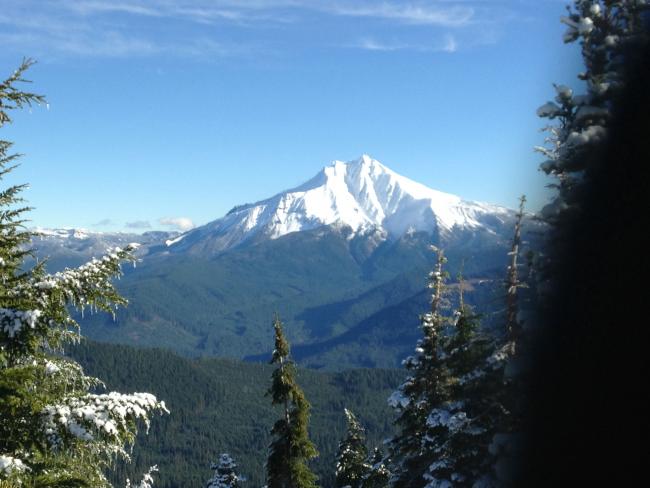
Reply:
x=326, y=293
x=219, y=405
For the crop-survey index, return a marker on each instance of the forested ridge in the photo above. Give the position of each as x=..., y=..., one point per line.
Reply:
x=218, y=405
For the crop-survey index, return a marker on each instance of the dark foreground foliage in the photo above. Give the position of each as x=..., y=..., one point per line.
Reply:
x=591, y=363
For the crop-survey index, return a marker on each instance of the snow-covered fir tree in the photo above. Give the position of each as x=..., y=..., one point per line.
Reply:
x=290, y=449
x=225, y=474
x=146, y=481
x=606, y=30
x=425, y=388
x=451, y=406
x=460, y=429
x=351, y=457
x=54, y=430
x=377, y=473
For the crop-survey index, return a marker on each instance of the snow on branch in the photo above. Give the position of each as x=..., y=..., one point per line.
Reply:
x=108, y=418
x=10, y=465
x=48, y=319
x=147, y=479
x=89, y=284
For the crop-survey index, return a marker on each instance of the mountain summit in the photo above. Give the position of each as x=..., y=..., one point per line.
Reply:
x=362, y=194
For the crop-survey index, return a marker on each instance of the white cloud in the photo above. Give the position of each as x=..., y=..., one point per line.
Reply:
x=179, y=223
x=448, y=44
x=374, y=45
x=420, y=13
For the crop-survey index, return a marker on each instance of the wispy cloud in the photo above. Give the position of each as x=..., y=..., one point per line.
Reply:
x=89, y=7
x=448, y=44
x=223, y=28
x=138, y=224
x=438, y=14
x=107, y=29
x=374, y=45
x=200, y=11
x=178, y=223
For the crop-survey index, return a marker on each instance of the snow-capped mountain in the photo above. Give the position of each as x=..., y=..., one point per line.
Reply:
x=344, y=255
x=363, y=195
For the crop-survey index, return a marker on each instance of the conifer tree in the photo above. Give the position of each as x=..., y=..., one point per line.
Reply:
x=351, y=457
x=53, y=430
x=460, y=429
x=225, y=474
x=508, y=363
x=451, y=406
x=146, y=481
x=377, y=472
x=513, y=324
x=290, y=449
x=607, y=31
x=597, y=154
x=426, y=387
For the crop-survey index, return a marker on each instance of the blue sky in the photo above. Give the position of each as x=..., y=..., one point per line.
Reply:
x=166, y=113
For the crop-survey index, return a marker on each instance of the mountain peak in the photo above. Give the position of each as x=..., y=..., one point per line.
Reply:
x=364, y=161
x=362, y=194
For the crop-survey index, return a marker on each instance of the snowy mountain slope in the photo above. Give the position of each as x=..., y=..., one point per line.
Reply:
x=363, y=195
x=72, y=247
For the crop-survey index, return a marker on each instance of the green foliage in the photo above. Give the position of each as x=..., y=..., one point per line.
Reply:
x=291, y=449
x=14, y=237
x=53, y=431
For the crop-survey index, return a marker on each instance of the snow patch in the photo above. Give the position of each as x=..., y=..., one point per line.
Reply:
x=171, y=242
